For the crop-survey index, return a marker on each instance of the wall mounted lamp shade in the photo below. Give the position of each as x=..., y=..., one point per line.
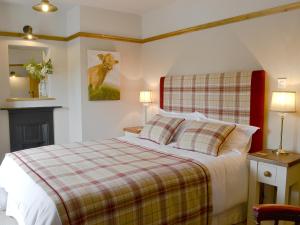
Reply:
x=12, y=74
x=28, y=35
x=283, y=102
x=145, y=98
x=45, y=6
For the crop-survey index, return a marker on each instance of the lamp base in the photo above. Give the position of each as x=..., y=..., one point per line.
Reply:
x=280, y=152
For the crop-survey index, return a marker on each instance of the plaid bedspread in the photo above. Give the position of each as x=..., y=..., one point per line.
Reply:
x=115, y=182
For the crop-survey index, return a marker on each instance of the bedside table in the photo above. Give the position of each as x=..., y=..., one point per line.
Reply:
x=281, y=171
x=132, y=131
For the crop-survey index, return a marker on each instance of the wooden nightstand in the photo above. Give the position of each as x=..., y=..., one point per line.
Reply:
x=132, y=131
x=281, y=171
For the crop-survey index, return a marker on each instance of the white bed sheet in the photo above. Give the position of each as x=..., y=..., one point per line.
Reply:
x=30, y=203
x=27, y=202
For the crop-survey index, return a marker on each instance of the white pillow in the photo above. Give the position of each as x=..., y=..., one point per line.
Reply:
x=187, y=116
x=239, y=139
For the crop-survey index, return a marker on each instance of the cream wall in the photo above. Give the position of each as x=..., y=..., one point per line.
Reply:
x=74, y=90
x=96, y=20
x=187, y=13
x=73, y=20
x=19, y=87
x=13, y=17
x=80, y=119
x=106, y=119
x=271, y=43
x=57, y=88
x=4, y=93
x=103, y=119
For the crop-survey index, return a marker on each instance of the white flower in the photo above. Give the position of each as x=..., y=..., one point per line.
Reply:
x=46, y=57
x=44, y=71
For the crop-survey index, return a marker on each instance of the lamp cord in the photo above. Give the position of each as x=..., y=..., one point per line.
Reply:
x=146, y=112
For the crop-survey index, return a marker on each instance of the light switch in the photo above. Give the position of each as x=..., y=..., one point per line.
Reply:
x=281, y=83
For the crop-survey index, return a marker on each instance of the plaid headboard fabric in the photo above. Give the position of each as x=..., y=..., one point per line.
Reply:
x=232, y=97
x=224, y=96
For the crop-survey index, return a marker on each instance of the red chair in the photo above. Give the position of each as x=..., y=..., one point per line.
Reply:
x=276, y=213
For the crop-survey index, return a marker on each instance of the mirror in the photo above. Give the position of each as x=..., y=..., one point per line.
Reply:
x=21, y=83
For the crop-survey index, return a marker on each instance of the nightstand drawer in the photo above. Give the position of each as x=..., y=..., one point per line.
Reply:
x=280, y=171
x=267, y=173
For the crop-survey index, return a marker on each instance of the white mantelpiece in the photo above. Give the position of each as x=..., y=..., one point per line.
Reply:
x=29, y=102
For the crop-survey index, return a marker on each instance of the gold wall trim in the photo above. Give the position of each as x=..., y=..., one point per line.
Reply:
x=105, y=36
x=40, y=36
x=16, y=65
x=73, y=36
x=10, y=34
x=51, y=38
x=235, y=19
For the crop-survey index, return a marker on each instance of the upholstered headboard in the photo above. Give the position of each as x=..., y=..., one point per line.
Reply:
x=232, y=97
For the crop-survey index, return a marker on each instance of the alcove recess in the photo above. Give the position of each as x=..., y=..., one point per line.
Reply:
x=22, y=86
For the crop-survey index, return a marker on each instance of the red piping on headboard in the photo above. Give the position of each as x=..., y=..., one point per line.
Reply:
x=257, y=106
x=161, y=90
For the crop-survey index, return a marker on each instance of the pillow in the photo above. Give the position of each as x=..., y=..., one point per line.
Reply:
x=160, y=129
x=239, y=139
x=189, y=117
x=181, y=128
x=204, y=137
x=186, y=116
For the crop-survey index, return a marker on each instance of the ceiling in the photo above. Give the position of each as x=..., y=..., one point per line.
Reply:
x=131, y=6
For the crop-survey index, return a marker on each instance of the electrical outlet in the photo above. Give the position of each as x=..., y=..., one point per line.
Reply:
x=281, y=82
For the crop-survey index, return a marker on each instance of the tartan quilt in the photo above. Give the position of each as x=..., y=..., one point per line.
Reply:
x=221, y=96
x=115, y=182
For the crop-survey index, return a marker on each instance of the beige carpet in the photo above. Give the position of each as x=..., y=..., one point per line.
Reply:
x=4, y=220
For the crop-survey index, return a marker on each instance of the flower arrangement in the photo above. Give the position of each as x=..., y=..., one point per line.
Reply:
x=39, y=71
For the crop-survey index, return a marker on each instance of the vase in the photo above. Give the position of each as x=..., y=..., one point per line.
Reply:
x=43, y=88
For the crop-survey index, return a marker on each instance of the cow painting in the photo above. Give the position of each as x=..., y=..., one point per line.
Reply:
x=100, y=76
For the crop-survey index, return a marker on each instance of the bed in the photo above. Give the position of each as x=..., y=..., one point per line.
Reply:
x=136, y=181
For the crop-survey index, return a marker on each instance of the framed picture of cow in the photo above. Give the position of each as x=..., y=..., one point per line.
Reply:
x=103, y=75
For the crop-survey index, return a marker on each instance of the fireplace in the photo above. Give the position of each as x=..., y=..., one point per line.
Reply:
x=30, y=127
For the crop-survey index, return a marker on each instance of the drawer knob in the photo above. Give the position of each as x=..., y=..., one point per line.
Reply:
x=267, y=174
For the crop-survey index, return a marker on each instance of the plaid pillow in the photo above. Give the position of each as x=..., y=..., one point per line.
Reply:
x=160, y=129
x=204, y=137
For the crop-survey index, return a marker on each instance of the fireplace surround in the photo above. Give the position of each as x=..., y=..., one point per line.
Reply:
x=30, y=127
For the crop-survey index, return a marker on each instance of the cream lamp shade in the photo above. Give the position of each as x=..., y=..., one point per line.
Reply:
x=145, y=97
x=283, y=101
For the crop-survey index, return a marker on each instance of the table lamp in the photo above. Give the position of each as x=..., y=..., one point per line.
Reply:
x=145, y=98
x=283, y=102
